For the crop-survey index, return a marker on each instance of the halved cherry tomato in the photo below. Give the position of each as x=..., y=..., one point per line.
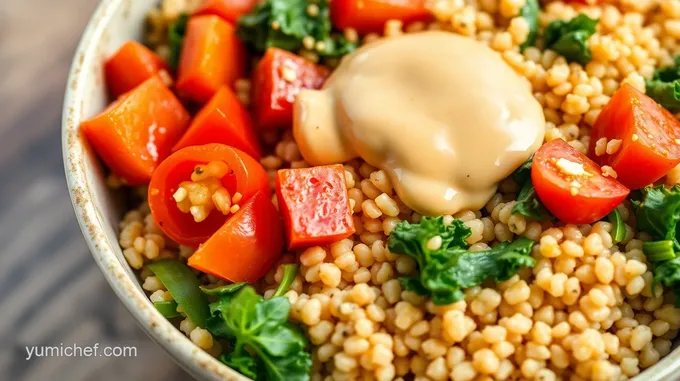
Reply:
x=572, y=186
x=137, y=131
x=314, y=204
x=129, y=66
x=246, y=246
x=223, y=120
x=368, y=16
x=277, y=80
x=649, y=134
x=229, y=10
x=245, y=176
x=212, y=56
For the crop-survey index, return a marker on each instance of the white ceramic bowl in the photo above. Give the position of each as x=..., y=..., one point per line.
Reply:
x=98, y=209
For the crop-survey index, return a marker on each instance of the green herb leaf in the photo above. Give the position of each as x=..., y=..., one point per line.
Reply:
x=223, y=290
x=285, y=23
x=530, y=12
x=658, y=213
x=167, y=308
x=570, y=38
x=658, y=251
x=528, y=203
x=618, y=227
x=176, y=32
x=667, y=273
x=289, y=274
x=667, y=94
x=446, y=271
x=264, y=344
x=183, y=285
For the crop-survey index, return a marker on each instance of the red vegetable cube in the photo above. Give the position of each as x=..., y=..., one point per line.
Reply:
x=315, y=205
x=277, y=80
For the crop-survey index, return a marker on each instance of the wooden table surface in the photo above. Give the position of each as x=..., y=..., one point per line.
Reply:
x=51, y=291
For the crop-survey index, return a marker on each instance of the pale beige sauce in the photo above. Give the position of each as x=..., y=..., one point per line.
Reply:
x=443, y=115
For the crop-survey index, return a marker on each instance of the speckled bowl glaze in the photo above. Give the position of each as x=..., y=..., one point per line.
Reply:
x=97, y=208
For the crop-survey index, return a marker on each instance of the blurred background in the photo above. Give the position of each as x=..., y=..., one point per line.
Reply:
x=51, y=291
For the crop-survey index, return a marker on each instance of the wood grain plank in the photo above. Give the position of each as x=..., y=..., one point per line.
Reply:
x=51, y=291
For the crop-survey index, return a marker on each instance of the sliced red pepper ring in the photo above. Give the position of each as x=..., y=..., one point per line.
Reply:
x=245, y=176
x=246, y=246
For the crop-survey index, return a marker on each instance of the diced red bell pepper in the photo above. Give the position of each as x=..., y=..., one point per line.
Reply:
x=246, y=246
x=368, y=16
x=223, y=120
x=277, y=80
x=229, y=10
x=314, y=204
x=132, y=64
x=212, y=56
x=137, y=131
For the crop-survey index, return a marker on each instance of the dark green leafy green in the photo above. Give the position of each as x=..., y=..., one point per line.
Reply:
x=657, y=251
x=223, y=290
x=176, y=32
x=570, y=38
x=529, y=13
x=658, y=213
x=664, y=87
x=618, y=227
x=289, y=273
x=264, y=345
x=447, y=270
x=527, y=203
x=167, y=308
x=667, y=273
x=183, y=285
x=285, y=23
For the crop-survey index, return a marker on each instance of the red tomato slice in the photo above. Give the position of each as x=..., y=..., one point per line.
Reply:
x=572, y=186
x=223, y=120
x=368, y=16
x=315, y=205
x=246, y=176
x=650, y=138
x=229, y=10
x=246, y=246
x=274, y=92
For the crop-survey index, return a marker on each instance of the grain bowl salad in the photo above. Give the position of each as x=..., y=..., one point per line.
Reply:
x=405, y=189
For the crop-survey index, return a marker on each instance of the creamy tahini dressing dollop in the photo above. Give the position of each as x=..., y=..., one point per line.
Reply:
x=443, y=115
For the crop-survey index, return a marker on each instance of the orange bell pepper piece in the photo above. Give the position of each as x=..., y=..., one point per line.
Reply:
x=246, y=246
x=212, y=56
x=137, y=131
x=223, y=120
x=229, y=10
x=129, y=66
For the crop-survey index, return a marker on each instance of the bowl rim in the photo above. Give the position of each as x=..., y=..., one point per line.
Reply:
x=183, y=351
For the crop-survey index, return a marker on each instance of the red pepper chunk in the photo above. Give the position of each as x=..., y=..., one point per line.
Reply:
x=229, y=10
x=212, y=56
x=368, y=16
x=649, y=135
x=314, y=204
x=246, y=246
x=136, y=132
x=132, y=64
x=223, y=120
x=277, y=80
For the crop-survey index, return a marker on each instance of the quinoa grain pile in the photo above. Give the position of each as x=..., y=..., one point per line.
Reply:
x=586, y=311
